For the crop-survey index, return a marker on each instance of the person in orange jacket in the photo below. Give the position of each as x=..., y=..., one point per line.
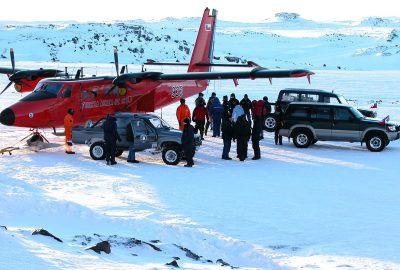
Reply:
x=68, y=124
x=182, y=112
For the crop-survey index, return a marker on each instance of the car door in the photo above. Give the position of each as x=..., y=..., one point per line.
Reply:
x=321, y=121
x=345, y=126
x=145, y=137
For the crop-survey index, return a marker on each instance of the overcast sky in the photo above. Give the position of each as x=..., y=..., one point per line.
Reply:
x=253, y=10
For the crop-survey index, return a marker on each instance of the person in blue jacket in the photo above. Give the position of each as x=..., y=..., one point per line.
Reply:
x=216, y=112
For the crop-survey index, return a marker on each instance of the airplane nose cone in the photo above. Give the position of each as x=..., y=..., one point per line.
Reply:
x=7, y=117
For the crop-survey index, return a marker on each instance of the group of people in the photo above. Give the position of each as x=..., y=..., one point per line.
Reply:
x=239, y=121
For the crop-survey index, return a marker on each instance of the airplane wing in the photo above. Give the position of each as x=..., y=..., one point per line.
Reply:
x=27, y=74
x=255, y=73
x=252, y=74
x=8, y=70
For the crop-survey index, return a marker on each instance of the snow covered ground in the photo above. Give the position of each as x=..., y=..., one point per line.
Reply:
x=331, y=206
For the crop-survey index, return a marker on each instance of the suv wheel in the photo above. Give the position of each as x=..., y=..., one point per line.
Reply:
x=98, y=151
x=302, y=138
x=171, y=155
x=270, y=123
x=376, y=142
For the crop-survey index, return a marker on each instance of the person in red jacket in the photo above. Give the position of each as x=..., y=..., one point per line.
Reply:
x=68, y=124
x=182, y=112
x=200, y=114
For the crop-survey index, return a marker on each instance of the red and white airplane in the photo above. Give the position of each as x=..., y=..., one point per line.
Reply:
x=95, y=97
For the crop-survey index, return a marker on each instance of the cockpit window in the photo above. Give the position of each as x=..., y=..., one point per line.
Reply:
x=52, y=88
x=44, y=90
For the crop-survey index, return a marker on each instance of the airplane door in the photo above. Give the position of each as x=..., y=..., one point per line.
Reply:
x=145, y=137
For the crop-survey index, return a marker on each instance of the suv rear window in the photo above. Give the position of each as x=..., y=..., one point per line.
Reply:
x=290, y=97
x=309, y=97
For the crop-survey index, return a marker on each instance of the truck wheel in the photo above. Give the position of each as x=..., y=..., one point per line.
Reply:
x=302, y=138
x=171, y=155
x=270, y=123
x=376, y=142
x=98, y=151
x=118, y=153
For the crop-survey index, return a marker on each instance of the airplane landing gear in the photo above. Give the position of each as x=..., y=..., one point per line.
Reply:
x=35, y=137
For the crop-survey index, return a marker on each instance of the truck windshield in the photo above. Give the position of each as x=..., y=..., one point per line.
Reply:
x=356, y=113
x=159, y=123
x=343, y=100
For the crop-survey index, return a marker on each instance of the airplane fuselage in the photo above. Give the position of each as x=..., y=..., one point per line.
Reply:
x=91, y=99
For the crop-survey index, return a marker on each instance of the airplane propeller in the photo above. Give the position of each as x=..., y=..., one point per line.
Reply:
x=18, y=75
x=116, y=61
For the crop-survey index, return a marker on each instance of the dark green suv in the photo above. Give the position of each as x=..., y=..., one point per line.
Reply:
x=289, y=95
x=307, y=123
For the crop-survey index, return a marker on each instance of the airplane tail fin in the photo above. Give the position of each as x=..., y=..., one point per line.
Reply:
x=204, y=46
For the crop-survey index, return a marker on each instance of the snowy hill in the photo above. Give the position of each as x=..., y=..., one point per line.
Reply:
x=285, y=41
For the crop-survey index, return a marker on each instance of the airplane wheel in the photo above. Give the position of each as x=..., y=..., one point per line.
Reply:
x=98, y=151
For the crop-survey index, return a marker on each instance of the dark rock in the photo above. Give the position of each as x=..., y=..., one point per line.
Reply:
x=153, y=246
x=154, y=241
x=4, y=227
x=221, y=261
x=173, y=263
x=189, y=253
x=45, y=233
x=102, y=246
x=136, y=242
x=176, y=258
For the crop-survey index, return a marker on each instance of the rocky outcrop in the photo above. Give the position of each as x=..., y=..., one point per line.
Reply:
x=102, y=246
x=45, y=233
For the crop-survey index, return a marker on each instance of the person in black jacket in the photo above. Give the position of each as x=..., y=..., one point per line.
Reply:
x=188, y=142
x=241, y=132
x=247, y=107
x=111, y=136
x=233, y=102
x=255, y=139
x=227, y=109
x=130, y=137
x=278, y=125
x=227, y=134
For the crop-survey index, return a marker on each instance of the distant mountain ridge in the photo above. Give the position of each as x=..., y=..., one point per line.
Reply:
x=287, y=41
